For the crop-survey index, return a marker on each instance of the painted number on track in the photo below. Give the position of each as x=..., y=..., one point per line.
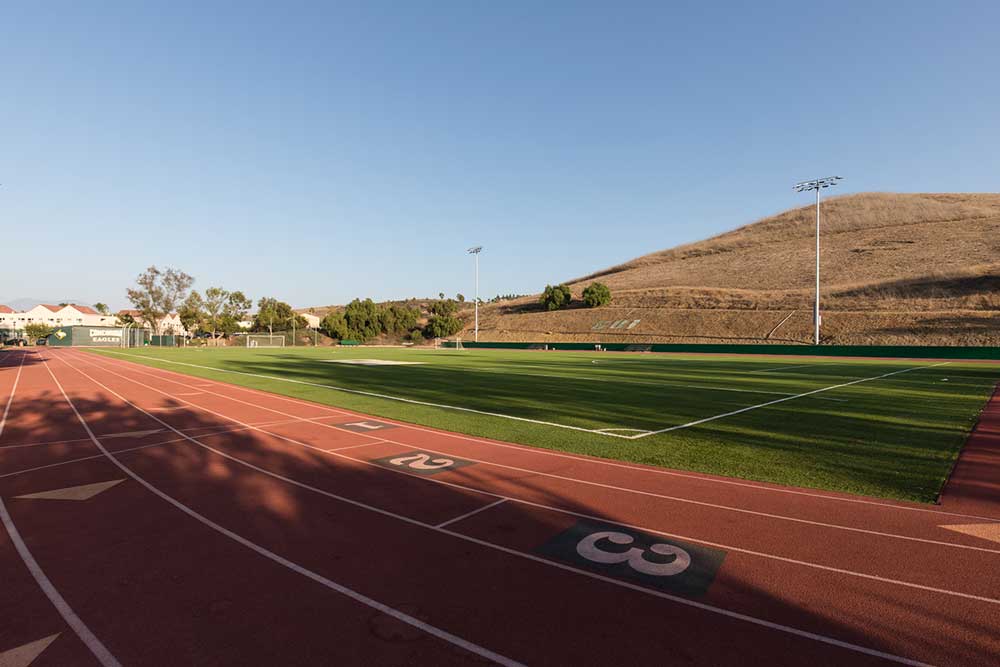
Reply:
x=422, y=463
x=646, y=559
x=366, y=426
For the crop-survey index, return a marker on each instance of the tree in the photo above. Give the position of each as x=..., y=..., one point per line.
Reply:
x=364, y=319
x=442, y=326
x=159, y=293
x=192, y=312
x=335, y=326
x=460, y=297
x=596, y=294
x=444, y=308
x=441, y=295
x=554, y=298
x=37, y=330
x=102, y=308
x=274, y=315
x=125, y=318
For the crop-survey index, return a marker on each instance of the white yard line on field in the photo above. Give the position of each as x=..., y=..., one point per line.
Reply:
x=785, y=368
x=781, y=400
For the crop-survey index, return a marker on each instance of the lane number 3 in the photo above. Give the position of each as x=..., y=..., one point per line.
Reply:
x=589, y=549
x=422, y=462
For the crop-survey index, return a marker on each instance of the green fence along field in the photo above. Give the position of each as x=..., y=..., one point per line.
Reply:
x=889, y=428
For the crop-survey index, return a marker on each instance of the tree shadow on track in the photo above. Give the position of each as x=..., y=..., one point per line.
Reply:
x=377, y=549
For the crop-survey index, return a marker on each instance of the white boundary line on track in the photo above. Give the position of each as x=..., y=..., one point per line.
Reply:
x=469, y=514
x=821, y=524
x=295, y=567
x=575, y=457
x=536, y=421
x=13, y=390
x=58, y=601
x=617, y=582
x=105, y=436
x=574, y=513
x=169, y=442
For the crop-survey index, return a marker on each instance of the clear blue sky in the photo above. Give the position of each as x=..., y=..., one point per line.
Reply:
x=321, y=151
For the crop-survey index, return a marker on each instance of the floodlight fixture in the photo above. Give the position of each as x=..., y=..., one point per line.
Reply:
x=816, y=185
x=475, y=250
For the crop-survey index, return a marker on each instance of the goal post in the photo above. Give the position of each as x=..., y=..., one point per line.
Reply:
x=265, y=340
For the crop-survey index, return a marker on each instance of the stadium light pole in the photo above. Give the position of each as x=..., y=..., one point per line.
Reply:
x=817, y=184
x=475, y=251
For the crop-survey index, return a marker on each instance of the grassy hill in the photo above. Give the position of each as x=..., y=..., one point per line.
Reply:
x=897, y=268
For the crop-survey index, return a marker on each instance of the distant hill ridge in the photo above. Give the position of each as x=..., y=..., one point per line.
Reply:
x=896, y=268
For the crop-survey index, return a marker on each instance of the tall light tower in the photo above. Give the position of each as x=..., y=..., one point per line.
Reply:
x=817, y=185
x=475, y=251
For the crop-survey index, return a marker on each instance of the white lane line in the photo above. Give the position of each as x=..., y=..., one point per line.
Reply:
x=574, y=480
x=387, y=397
x=585, y=573
x=468, y=514
x=253, y=546
x=781, y=400
x=887, y=505
x=191, y=393
x=13, y=390
x=565, y=511
x=79, y=627
x=363, y=444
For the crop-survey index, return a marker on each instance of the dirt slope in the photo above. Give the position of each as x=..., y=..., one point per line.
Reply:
x=897, y=268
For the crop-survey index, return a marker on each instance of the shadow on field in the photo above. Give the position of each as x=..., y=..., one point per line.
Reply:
x=896, y=439
x=497, y=598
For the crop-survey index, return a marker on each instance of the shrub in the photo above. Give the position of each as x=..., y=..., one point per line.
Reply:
x=554, y=298
x=335, y=326
x=596, y=294
x=416, y=337
x=37, y=330
x=442, y=326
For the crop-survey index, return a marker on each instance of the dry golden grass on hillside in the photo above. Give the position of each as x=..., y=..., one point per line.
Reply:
x=897, y=268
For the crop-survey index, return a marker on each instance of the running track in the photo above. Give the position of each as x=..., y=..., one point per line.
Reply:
x=231, y=526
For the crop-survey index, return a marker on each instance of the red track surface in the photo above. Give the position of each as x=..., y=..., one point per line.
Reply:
x=236, y=536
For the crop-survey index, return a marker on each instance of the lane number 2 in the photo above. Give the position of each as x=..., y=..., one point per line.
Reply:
x=589, y=548
x=422, y=462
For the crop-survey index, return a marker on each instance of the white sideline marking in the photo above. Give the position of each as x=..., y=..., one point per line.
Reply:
x=782, y=400
x=373, y=362
x=545, y=452
x=472, y=513
x=487, y=413
x=295, y=567
x=586, y=573
x=82, y=631
x=385, y=396
x=13, y=389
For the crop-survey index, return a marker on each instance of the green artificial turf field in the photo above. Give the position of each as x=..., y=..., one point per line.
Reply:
x=873, y=427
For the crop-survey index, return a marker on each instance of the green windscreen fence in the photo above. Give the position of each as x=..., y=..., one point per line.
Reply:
x=96, y=337
x=894, y=351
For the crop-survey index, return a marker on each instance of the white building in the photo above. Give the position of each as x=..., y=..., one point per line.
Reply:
x=171, y=324
x=54, y=316
x=311, y=320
